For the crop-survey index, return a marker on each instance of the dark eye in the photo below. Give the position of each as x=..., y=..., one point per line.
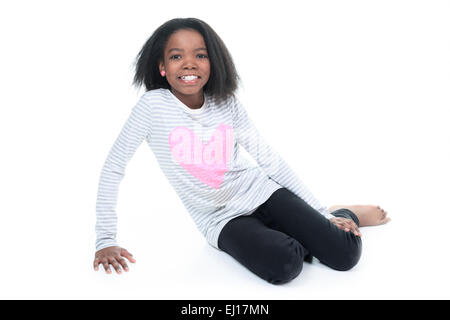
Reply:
x=203, y=55
x=176, y=55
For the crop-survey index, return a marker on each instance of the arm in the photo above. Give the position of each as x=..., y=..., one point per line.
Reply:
x=275, y=167
x=135, y=129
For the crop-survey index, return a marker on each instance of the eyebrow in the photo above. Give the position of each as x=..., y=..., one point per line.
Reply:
x=178, y=49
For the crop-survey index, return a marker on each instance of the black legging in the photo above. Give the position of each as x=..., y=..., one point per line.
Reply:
x=284, y=231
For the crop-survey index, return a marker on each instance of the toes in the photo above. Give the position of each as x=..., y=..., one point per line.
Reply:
x=385, y=220
x=381, y=210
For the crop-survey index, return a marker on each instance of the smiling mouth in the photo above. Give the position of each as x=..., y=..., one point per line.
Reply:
x=189, y=79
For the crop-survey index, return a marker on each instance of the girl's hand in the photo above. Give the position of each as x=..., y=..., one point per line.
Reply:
x=114, y=256
x=346, y=225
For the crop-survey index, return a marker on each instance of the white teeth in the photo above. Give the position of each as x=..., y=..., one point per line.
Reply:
x=189, y=77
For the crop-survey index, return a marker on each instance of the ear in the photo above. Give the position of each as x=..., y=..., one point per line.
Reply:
x=161, y=66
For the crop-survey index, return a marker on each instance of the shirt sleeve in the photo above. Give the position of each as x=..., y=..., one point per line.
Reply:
x=135, y=130
x=268, y=159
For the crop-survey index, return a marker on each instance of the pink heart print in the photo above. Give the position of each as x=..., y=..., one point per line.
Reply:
x=206, y=162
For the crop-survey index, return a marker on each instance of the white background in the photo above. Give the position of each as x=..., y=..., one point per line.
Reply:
x=353, y=94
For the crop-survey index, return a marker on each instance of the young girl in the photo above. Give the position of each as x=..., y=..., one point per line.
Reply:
x=263, y=216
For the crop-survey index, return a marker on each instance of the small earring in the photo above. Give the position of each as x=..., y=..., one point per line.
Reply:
x=163, y=73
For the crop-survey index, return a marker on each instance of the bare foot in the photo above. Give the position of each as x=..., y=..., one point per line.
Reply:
x=368, y=215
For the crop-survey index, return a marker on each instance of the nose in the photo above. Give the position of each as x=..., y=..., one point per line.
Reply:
x=189, y=63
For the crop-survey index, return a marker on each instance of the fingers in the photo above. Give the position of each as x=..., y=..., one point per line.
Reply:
x=106, y=265
x=106, y=262
x=347, y=225
x=351, y=226
x=123, y=263
x=126, y=254
x=116, y=264
x=96, y=262
x=114, y=258
x=101, y=257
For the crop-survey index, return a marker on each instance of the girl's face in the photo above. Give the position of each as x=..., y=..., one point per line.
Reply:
x=185, y=54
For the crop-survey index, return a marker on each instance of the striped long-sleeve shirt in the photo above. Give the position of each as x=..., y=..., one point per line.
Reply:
x=197, y=150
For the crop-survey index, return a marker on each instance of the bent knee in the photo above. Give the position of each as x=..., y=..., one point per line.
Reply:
x=288, y=265
x=348, y=259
